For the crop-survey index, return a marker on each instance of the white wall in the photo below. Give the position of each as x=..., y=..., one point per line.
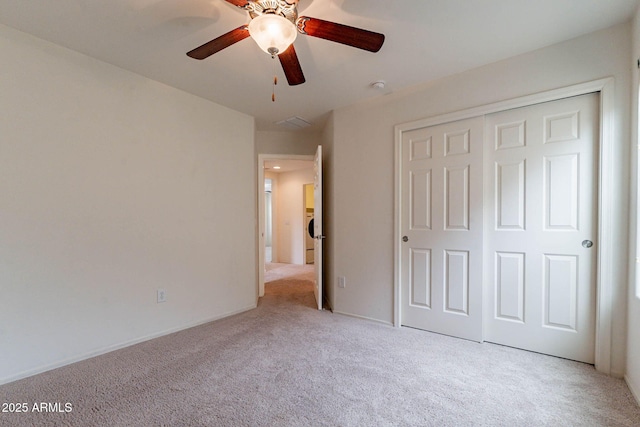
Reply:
x=290, y=215
x=633, y=316
x=363, y=163
x=298, y=143
x=112, y=186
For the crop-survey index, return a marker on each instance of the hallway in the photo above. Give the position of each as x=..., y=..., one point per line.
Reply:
x=289, y=284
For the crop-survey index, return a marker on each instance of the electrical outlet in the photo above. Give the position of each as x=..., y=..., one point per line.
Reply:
x=342, y=282
x=162, y=295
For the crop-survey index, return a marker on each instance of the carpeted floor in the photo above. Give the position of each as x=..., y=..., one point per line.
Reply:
x=278, y=271
x=287, y=364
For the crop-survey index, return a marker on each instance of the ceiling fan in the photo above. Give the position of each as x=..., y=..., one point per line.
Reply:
x=274, y=25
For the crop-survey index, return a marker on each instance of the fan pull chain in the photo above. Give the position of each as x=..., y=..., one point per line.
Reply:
x=275, y=80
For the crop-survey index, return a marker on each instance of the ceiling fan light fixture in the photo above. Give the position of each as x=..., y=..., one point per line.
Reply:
x=273, y=33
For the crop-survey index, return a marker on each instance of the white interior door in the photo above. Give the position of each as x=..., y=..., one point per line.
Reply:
x=317, y=225
x=541, y=227
x=441, y=216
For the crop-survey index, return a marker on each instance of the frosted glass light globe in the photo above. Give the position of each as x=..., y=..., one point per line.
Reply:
x=273, y=33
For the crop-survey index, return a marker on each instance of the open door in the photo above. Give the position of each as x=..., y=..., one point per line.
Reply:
x=317, y=225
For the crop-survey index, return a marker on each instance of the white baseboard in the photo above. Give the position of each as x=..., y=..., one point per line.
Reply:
x=616, y=374
x=635, y=388
x=357, y=316
x=114, y=347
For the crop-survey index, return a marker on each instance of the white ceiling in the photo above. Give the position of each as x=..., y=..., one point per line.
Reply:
x=425, y=40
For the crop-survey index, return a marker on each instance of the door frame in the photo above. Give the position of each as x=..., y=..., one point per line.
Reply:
x=604, y=284
x=260, y=235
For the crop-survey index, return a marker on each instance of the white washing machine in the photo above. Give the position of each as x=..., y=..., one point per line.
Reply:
x=308, y=241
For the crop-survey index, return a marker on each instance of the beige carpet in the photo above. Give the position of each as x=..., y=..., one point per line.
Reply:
x=277, y=271
x=287, y=364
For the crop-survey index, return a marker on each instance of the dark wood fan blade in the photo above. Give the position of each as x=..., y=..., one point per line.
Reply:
x=291, y=66
x=351, y=36
x=222, y=42
x=239, y=3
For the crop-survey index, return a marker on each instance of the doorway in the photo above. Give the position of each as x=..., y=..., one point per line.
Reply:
x=283, y=236
x=309, y=222
x=268, y=220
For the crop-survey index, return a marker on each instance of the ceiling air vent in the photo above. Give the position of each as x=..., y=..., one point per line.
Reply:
x=294, y=122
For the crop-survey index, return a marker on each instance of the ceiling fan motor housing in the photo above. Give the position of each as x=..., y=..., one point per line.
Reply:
x=285, y=8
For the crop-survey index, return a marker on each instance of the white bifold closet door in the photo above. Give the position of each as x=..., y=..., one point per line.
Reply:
x=541, y=227
x=498, y=216
x=442, y=228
